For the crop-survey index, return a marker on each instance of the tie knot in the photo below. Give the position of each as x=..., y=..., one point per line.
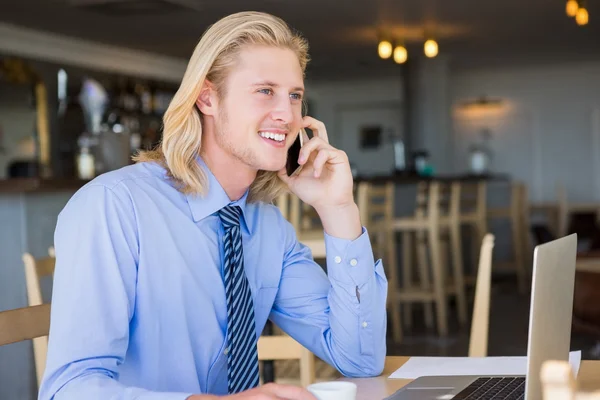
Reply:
x=230, y=216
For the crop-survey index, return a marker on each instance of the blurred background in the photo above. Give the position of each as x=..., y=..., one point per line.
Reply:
x=503, y=96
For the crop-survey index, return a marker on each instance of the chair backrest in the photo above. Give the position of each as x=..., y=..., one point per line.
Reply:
x=376, y=207
x=558, y=383
x=35, y=269
x=284, y=347
x=24, y=324
x=376, y=204
x=478, y=342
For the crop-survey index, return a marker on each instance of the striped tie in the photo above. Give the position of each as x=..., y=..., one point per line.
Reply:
x=242, y=358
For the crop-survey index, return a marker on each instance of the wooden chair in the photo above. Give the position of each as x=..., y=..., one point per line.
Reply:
x=25, y=323
x=558, y=383
x=28, y=323
x=35, y=269
x=284, y=347
x=478, y=342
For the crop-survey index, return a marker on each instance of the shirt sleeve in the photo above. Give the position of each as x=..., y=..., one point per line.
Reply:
x=93, y=299
x=339, y=316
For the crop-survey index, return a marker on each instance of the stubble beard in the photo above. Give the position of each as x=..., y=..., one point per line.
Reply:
x=240, y=151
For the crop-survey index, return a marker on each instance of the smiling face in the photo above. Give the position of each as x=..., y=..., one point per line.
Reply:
x=260, y=112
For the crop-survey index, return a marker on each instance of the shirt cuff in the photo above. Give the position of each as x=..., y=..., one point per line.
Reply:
x=350, y=261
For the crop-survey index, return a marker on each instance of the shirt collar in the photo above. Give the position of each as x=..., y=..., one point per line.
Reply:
x=214, y=199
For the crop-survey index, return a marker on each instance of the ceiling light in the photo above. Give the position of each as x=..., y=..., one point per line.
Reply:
x=431, y=48
x=400, y=54
x=572, y=8
x=582, y=17
x=384, y=49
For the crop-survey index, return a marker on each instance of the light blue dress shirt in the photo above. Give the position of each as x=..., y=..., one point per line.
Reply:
x=138, y=305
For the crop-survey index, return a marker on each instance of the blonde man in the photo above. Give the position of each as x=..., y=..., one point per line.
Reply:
x=167, y=270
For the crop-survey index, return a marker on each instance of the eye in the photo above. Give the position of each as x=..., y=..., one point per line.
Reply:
x=296, y=96
x=266, y=91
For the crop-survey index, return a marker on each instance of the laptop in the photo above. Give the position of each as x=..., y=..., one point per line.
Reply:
x=549, y=335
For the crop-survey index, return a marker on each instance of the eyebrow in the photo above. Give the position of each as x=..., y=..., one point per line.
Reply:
x=275, y=85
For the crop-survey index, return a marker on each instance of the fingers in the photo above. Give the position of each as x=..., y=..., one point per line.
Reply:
x=288, y=392
x=320, y=160
x=309, y=147
x=317, y=127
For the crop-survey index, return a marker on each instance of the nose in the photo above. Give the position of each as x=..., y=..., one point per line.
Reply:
x=283, y=110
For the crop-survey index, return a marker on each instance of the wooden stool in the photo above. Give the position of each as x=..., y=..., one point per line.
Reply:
x=376, y=208
x=473, y=213
x=427, y=224
x=518, y=215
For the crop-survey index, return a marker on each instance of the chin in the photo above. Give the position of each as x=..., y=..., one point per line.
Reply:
x=272, y=165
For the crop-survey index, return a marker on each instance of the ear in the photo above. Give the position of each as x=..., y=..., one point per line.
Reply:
x=207, y=100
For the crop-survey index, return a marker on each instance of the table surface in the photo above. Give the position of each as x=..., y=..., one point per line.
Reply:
x=380, y=387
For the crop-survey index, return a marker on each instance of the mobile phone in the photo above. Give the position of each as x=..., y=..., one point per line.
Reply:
x=294, y=150
x=293, y=154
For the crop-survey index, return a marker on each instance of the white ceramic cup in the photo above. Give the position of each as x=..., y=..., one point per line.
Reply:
x=337, y=390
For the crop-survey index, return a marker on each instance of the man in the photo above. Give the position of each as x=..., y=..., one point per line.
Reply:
x=167, y=270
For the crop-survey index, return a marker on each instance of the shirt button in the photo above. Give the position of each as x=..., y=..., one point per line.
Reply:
x=364, y=324
x=337, y=259
x=226, y=351
x=353, y=262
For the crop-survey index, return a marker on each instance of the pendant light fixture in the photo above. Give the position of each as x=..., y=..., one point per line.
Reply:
x=571, y=8
x=430, y=48
x=384, y=49
x=400, y=54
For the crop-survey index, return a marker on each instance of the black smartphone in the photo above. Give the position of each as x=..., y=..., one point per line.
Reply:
x=293, y=154
x=294, y=150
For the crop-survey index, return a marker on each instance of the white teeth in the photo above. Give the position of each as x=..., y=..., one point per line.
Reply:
x=278, y=137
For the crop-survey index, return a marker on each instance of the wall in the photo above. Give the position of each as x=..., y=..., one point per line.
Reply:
x=344, y=107
x=547, y=134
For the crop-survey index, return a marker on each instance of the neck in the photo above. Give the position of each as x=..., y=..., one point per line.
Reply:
x=233, y=175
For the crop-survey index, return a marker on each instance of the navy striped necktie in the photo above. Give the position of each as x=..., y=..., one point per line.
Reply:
x=242, y=358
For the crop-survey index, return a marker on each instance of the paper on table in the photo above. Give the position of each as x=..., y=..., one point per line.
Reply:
x=452, y=366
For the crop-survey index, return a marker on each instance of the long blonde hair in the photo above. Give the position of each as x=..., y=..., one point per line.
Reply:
x=213, y=57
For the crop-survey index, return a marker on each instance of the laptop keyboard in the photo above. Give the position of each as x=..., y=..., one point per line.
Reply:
x=494, y=388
